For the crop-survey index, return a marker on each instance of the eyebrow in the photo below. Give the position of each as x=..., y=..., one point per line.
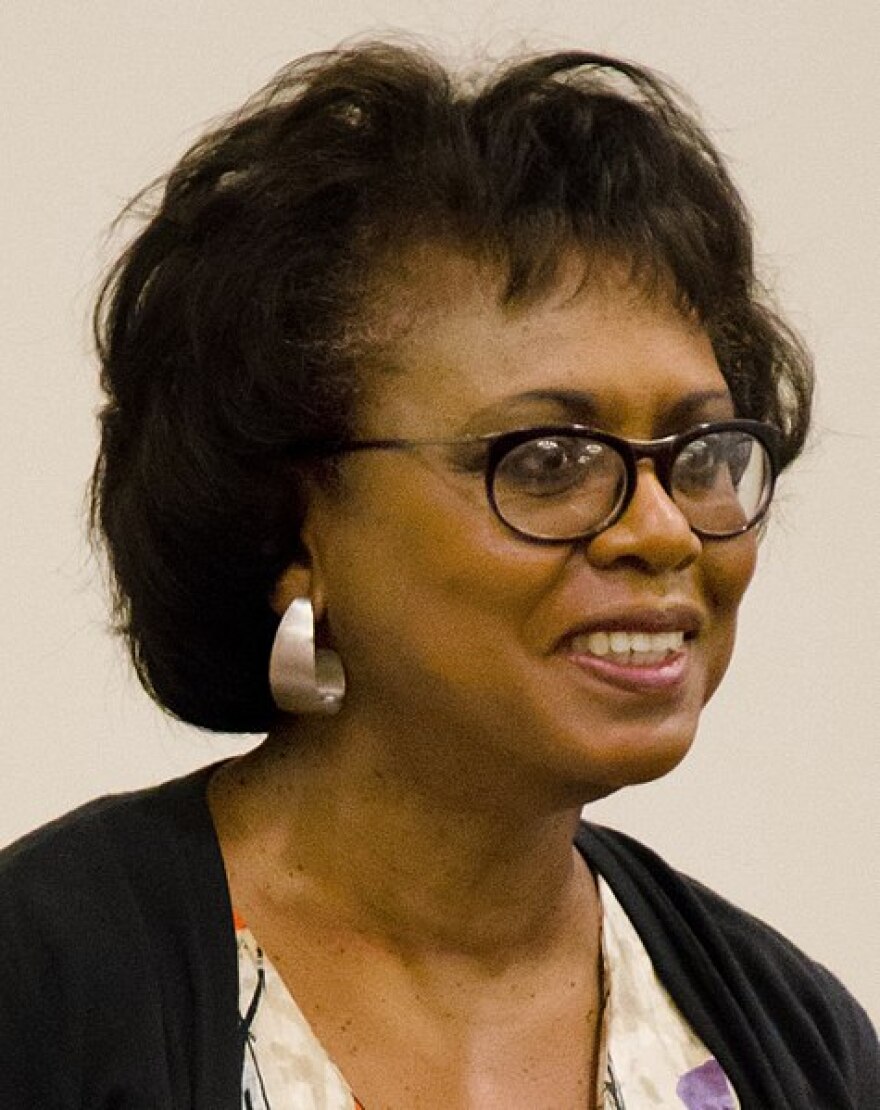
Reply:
x=584, y=407
x=693, y=406
x=576, y=405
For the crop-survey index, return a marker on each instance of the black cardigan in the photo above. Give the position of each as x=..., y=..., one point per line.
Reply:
x=119, y=986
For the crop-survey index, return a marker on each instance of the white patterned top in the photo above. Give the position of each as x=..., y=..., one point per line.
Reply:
x=651, y=1058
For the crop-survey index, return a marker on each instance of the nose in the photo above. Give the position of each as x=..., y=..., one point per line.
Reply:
x=652, y=533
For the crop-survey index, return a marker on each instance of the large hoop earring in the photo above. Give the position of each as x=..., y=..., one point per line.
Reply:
x=301, y=678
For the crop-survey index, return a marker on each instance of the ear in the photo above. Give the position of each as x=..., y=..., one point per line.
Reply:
x=300, y=580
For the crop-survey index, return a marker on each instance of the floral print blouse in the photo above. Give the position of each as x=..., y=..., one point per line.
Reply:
x=650, y=1056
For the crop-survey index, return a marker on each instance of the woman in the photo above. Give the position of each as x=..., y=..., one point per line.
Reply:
x=441, y=421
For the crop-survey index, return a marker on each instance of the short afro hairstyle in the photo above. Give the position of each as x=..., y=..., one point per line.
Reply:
x=225, y=331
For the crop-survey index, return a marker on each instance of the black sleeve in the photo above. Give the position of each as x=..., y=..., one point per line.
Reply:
x=80, y=1012
x=118, y=976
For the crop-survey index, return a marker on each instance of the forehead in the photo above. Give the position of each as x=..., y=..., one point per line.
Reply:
x=596, y=347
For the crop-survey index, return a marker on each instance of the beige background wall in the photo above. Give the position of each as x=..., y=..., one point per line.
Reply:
x=777, y=806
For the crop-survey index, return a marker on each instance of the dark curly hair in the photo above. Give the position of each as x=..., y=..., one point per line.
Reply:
x=228, y=332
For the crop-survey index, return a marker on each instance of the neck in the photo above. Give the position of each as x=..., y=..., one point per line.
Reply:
x=463, y=868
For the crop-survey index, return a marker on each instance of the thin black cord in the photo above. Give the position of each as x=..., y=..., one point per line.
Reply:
x=246, y=1036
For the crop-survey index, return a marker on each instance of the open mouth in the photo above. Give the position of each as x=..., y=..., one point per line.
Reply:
x=630, y=648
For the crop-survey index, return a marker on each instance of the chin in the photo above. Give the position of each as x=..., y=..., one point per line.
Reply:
x=654, y=765
x=631, y=760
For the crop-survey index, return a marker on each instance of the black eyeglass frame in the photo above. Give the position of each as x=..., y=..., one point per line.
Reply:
x=662, y=452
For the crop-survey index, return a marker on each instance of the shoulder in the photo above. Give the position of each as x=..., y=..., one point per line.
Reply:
x=662, y=898
x=737, y=979
x=114, y=852
x=115, y=928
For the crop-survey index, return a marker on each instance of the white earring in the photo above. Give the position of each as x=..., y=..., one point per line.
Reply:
x=303, y=679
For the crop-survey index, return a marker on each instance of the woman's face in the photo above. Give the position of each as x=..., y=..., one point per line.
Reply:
x=472, y=649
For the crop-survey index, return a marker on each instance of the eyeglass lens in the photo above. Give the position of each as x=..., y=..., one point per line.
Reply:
x=567, y=486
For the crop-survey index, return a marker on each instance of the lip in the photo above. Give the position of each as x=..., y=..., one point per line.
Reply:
x=667, y=676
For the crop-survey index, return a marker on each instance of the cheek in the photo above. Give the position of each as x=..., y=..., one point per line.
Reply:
x=733, y=564
x=729, y=569
x=426, y=573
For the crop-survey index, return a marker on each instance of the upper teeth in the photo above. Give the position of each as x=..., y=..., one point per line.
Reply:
x=624, y=643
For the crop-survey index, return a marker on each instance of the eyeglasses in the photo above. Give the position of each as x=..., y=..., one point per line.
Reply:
x=559, y=483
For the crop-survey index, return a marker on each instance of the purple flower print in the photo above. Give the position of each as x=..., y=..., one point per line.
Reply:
x=705, y=1088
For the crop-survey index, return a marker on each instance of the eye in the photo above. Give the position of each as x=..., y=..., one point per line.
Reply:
x=552, y=465
x=698, y=466
x=706, y=462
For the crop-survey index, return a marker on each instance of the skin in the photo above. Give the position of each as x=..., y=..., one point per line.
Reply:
x=416, y=850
